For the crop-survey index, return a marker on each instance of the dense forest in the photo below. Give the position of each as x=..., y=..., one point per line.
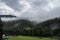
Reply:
x=26, y=27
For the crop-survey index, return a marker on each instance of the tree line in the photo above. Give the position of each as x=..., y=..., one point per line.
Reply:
x=28, y=28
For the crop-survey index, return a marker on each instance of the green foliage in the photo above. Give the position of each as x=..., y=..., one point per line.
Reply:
x=1, y=30
x=28, y=28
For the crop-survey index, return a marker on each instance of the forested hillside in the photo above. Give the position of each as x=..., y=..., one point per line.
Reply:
x=26, y=27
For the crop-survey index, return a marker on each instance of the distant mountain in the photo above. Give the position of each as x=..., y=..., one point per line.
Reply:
x=10, y=25
x=49, y=27
x=7, y=16
x=52, y=23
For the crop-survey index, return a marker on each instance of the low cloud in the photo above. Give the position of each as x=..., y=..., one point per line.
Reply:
x=32, y=9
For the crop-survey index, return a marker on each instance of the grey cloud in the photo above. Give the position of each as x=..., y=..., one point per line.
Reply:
x=37, y=13
x=13, y=4
x=40, y=2
x=55, y=12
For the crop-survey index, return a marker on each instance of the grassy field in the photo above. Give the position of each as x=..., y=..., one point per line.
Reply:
x=28, y=38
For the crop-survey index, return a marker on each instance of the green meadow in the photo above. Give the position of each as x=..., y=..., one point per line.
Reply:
x=28, y=38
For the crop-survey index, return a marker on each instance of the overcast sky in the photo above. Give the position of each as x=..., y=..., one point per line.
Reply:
x=31, y=9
